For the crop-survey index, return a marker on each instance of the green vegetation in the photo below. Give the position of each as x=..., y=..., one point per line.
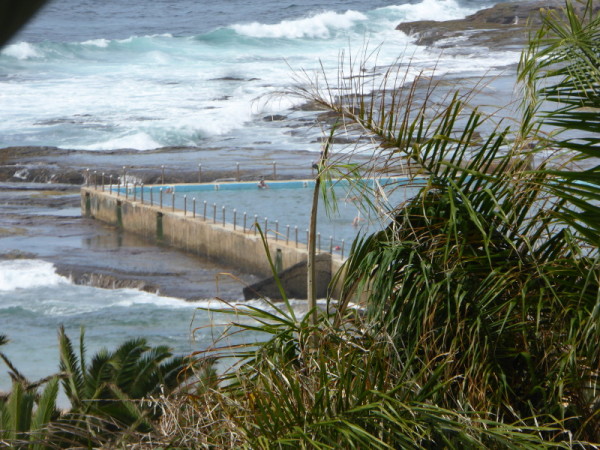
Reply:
x=482, y=295
x=110, y=397
x=110, y=384
x=481, y=325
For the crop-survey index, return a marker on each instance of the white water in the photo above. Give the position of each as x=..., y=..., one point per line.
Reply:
x=35, y=302
x=106, y=75
x=166, y=89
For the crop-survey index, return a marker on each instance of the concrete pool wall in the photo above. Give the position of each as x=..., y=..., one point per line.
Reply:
x=240, y=248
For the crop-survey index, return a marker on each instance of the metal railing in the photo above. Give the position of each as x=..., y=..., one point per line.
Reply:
x=127, y=184
x=238, y=223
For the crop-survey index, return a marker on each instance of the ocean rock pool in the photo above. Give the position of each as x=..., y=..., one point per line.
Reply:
x=282, y=208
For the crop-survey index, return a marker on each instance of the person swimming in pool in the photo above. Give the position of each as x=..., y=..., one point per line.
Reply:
x=261, y=184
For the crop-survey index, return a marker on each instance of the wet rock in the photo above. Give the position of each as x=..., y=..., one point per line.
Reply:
x=342, y=140
x=106, y=281
x=68, y=177
x=503, y=25
x=13, y=231
x=17, y=254
x=41, y=174
x=181, y=165
x=274, y=118
x=310, y=106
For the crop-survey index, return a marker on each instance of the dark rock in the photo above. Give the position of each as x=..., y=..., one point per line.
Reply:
x=505, y=24
x=274, y=118
x=105, y=281
x=310, y=106
x=68, y=177
x=17, y=254
x=293, y=281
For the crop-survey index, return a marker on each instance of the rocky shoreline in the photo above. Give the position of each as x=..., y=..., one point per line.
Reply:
x=40, y=183
x=503, y=26
x=43, y=221
x=181, y=165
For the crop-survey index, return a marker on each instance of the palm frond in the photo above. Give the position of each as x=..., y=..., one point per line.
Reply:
x=73, y=383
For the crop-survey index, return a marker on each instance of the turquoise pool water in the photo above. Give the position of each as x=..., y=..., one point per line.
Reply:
x=283, y=208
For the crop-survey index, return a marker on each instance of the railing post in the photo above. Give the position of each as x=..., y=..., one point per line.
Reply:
x=87, y=177
x=151, y=197
x=199, y=173
x=223, y=211
x=102, y=179
x=134, y=191
x=276, y=230
x=266, y=232
x=296, y=231
x=205, y=210
x=237, y=171
x=185, y=205
x=274, y=170
x=142, y=193
x=173, y=200
x=161, y=198
x=287, y=235
x=214, y=213
x=95, y=180
x=124, y=177
x=331, y=245
x=110, y=183
x=234, y=219
x=194, y=207
x=255, y=224
x=244, y=222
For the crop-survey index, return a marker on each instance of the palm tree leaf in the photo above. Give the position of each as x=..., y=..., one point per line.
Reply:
x=45, y=412
x=73, y=383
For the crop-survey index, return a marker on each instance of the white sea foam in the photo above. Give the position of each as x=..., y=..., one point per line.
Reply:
x=130, y=297
x=21, y=51
x=431, y=10
x=102, y=43
x=137, y=141
x=192, y=91
x=320, y=26
x=28, y=273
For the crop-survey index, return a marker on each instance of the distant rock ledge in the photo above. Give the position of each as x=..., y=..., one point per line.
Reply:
x=504, y=25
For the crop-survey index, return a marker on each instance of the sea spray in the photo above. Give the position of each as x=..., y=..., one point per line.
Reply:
x=35, y=301
x=176, y=87
x=27, y=274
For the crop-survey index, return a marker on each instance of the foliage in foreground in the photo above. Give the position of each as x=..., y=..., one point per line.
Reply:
x=108, y=396
x=482, y=294
x=329, y=387
x=488, y=279
x=482, y=316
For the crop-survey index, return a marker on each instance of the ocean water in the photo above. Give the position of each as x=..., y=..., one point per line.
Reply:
x=107, y=75
x=35, y=301
x=195, y=73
